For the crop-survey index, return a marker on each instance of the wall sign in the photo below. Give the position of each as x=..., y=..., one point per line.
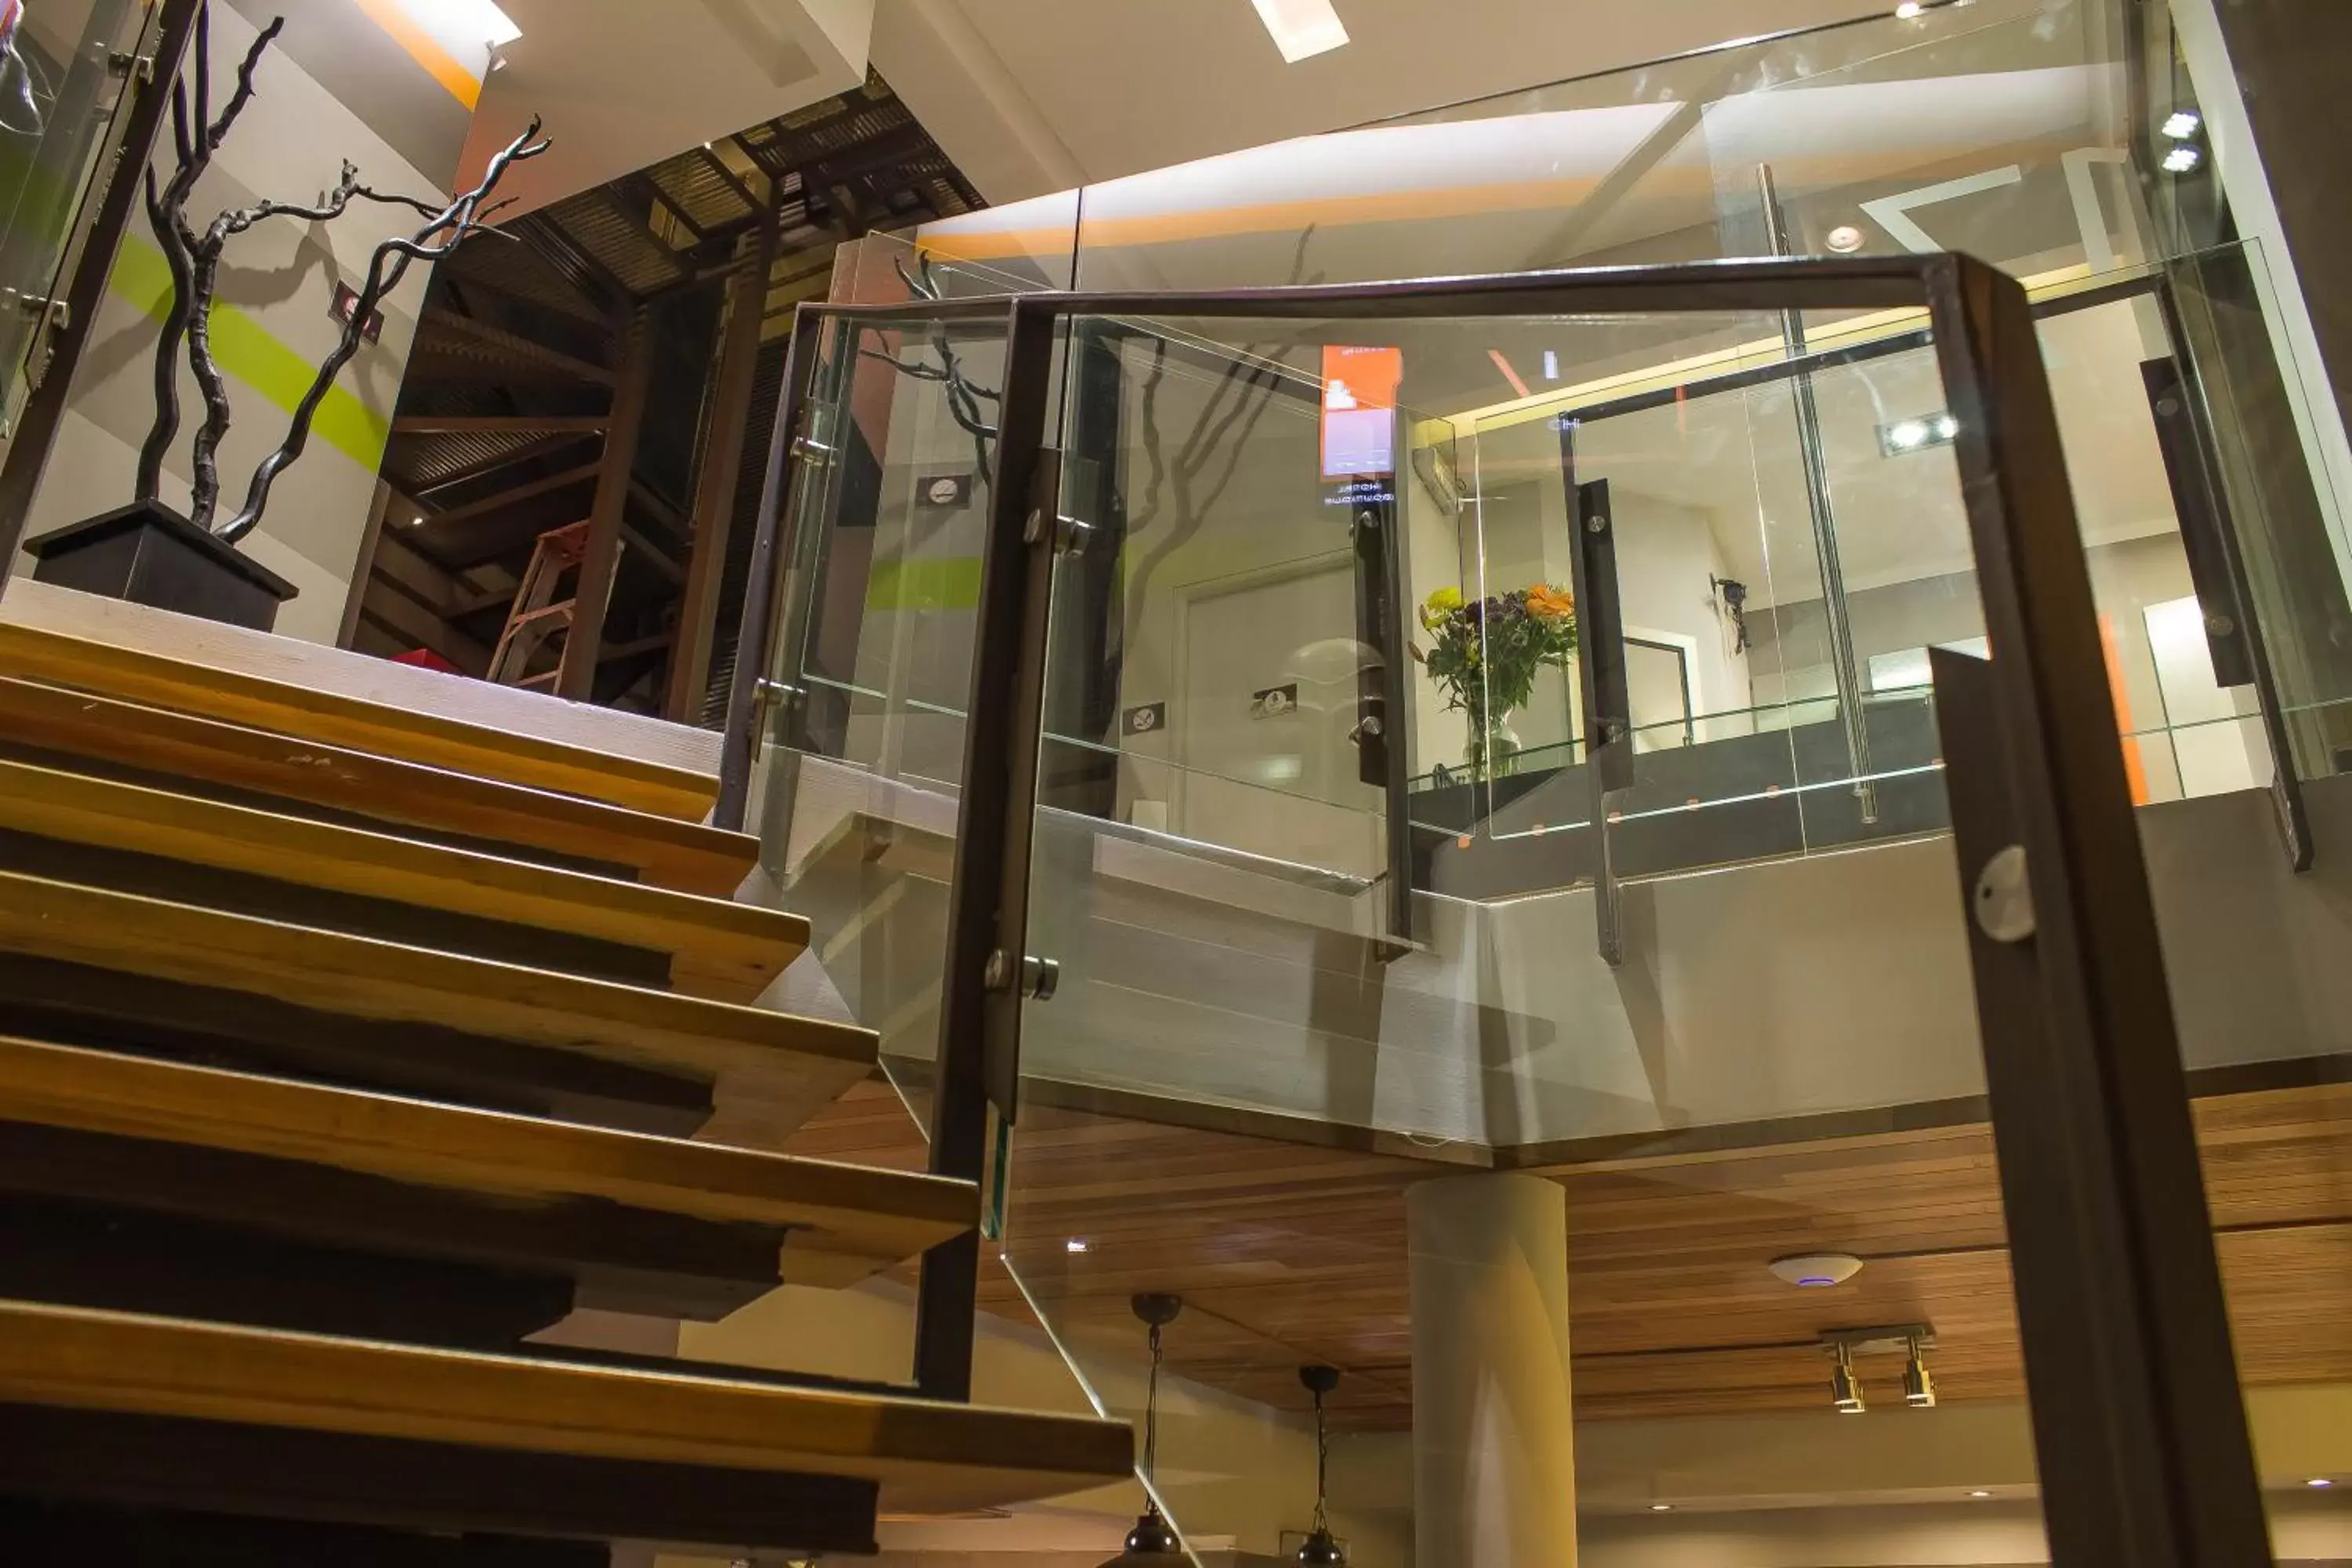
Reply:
x=1274, y=701
x=1147, y=719
x=941, y=491
x=347, y=300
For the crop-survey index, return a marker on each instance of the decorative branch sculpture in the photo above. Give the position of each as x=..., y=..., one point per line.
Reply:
x=195, y=258
x=964, y=394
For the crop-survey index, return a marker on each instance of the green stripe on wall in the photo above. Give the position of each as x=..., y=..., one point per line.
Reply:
x=938, y=583
x=245, y=349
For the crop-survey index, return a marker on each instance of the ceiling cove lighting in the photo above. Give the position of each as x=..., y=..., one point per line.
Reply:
x=1301, y=28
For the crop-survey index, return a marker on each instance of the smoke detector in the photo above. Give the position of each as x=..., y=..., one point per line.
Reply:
x=1816, y=1271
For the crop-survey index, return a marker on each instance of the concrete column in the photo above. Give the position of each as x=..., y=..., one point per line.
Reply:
x=1494, y=1444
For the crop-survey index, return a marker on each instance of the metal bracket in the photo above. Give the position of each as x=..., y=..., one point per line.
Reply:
x=1046, y=520
x=1040, y=979
x=122, y=64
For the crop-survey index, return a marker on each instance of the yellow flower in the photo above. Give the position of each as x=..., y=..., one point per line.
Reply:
x=1437, y=606
x=1546, y=603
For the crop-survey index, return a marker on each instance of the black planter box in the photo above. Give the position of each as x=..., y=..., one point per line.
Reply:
x=150, y=554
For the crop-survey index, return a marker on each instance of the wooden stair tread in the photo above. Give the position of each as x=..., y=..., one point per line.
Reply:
x=717, y=947
x=927, y=1458
x=776, y=1068
x=847, y=1222
x=666, y=851
x=331, y=719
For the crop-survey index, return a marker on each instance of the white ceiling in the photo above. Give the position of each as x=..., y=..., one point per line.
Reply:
x=1032, y=96
x=622, y=84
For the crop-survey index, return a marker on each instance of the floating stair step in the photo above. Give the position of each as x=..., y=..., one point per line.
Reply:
x=686, y=1228
x=329, y=719
x=111, y=1404
x=712, y=947
x=768, y=1071
x=663, y=850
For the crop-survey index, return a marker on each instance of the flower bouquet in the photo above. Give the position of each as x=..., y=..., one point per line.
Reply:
x=1486, y=655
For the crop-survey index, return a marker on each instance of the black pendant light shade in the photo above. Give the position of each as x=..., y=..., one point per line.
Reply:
x=1152, y=1543
x=1319, y=1550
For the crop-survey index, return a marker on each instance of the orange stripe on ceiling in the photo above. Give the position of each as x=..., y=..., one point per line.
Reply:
x=462, y=84
x=1159, y=229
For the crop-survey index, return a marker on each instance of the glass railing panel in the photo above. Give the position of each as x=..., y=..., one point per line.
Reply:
x=59, y=96
x=857, y=785
x=2260, y=424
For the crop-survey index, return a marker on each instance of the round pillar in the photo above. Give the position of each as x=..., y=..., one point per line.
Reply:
x=1494, y=1439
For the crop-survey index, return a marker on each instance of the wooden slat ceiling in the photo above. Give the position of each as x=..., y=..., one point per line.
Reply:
x=1287, y=1253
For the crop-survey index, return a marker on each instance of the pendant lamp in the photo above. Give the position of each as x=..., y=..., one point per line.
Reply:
x=1152, y=1543
x=1319, y=1550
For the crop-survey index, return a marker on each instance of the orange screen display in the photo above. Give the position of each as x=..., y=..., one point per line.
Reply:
x=1360, y=399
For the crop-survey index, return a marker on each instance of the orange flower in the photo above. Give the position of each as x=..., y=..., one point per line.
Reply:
x=1547, y=603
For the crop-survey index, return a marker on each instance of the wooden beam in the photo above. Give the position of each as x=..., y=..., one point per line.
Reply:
x=734, y=182
x=418, y=626
x=656, y=556
x=489, y=504
x=364, y=564
x=577, y=678
x=516, y=345
x=714, y=486
x=482, y=468
x=499, y=425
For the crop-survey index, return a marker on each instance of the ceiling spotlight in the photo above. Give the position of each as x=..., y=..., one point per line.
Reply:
x=2183, y=123
x=1980, y=1493
x=1908, y=9
x=1078, y=1244
x=1662, y=1508
x=1919, y=1385
x=2182, y=159
x=1844, y=239
x=2322, y=1482
x=1916, y=435
x=1845, y=1392
x=1816, y=1271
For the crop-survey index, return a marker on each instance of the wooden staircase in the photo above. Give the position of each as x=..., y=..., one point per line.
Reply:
x=344, y=1051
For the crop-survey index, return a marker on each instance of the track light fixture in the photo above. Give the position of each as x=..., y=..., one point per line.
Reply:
x=1919, y=1385
x=1152, y=1543
x=1911, y=1340
x=1319, y=1550
x=1845, y=1391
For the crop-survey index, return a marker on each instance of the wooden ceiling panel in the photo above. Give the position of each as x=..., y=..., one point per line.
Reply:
x=1288, y=1254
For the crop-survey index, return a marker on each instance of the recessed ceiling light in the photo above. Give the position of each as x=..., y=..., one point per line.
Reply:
x=1844, y=239
x=1078, y=1244
x=2182, y=159
x=1981, y=1493
x=1551, y=364
x=416, y=522
x=1301, y=28
x=2182, y=123
x=2320, y=1481
x=1662, y=1508
x=1908, y=9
